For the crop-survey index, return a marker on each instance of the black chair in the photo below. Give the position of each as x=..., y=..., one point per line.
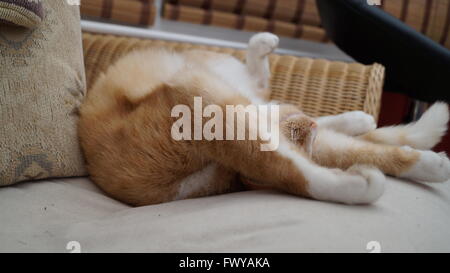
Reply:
x=415, y=65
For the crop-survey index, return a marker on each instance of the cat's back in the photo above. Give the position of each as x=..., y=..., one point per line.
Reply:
x=141, y=71
x=135, y=75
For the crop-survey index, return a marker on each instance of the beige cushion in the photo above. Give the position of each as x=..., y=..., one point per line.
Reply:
x=45, y=216
x=42, y=82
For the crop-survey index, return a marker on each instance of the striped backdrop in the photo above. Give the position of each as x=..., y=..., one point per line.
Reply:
x=291, y=18
x=430, y=17
x=134, y=12
x=300, y=18
x=243, y=22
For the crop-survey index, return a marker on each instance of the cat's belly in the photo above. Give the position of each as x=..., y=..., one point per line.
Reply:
x=235, y=74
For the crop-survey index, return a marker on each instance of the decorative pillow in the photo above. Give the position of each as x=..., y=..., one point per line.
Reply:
x=42, y=83
x=26, y=13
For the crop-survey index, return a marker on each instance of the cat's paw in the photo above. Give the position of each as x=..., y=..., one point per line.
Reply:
x=264, y=43
x=372, y=186
x=430, y=167
x=360, y=184
x=356, y=123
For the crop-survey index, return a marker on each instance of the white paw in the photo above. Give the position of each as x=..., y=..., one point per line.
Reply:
x=264, y=43
x=358, y=185
x=371, y=189
x=431, y=167
x=356, y=123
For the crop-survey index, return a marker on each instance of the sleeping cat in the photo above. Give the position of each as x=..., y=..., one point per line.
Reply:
x=125, y=133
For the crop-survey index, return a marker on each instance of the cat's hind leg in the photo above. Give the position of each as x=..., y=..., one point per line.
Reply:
x=257, y=60
x=353, y=123
x=336, y=150
x=423, y=134
x=288, y=170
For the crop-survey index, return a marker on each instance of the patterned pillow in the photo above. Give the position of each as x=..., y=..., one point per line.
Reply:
x=42, y=83
x=25, y=13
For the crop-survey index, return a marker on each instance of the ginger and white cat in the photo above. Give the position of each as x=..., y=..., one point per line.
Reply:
x=125, y=133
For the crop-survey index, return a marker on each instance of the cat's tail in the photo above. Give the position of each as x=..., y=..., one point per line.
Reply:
x=423, y=134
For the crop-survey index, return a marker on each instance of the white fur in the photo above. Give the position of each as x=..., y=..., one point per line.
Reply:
x=248, y=79
x=423, y=134
x=260, y=46
x=431, y=167
x=353, y=123
x=359, y=185
x=235, y=73
x=169, y=64
x=197, y=181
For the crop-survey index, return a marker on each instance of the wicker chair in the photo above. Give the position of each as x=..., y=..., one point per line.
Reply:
x=319, y=87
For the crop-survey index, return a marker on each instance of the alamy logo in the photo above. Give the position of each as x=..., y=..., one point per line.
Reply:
x=237, y=121
x=374, y=247
x=73, y=2
x=74, y=247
